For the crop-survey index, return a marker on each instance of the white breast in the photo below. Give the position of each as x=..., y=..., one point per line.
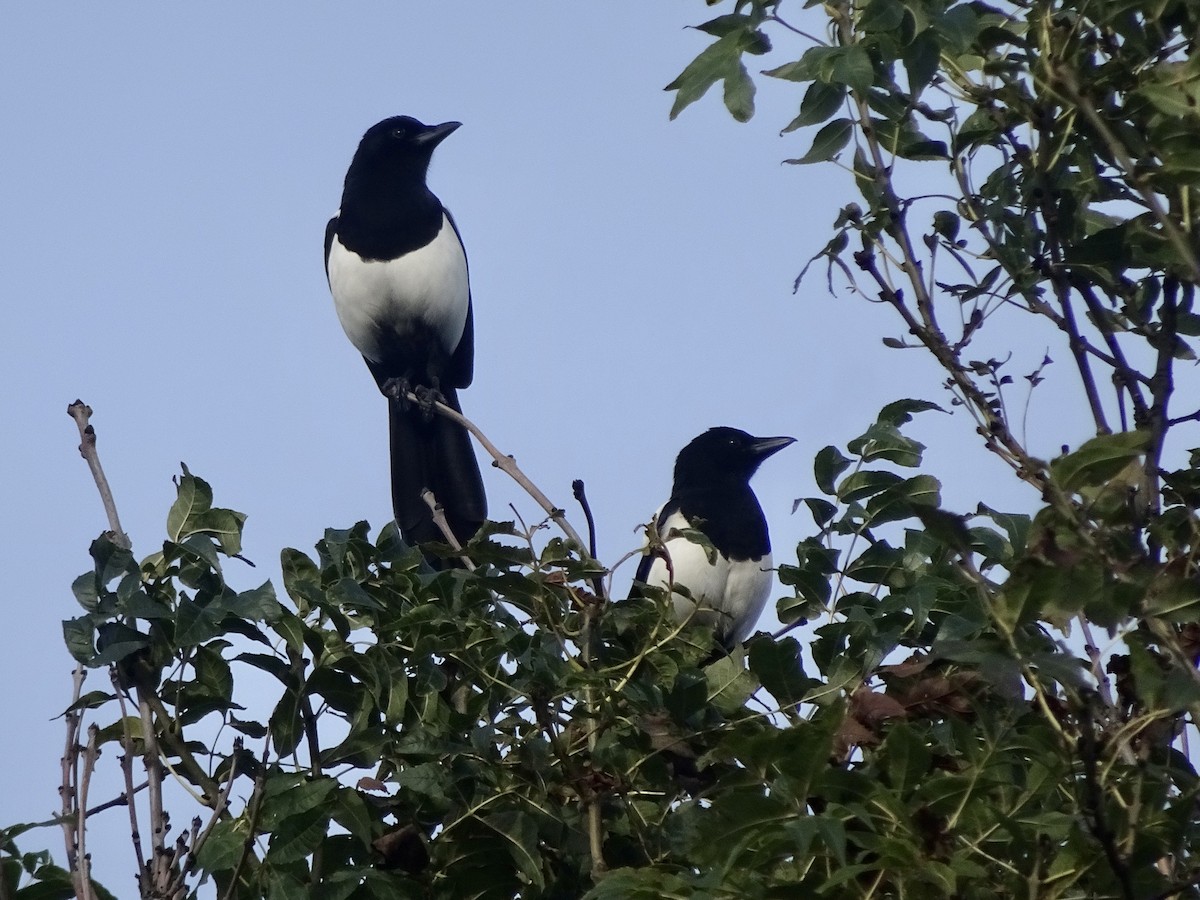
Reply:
x=427, y=288
x=729, y=595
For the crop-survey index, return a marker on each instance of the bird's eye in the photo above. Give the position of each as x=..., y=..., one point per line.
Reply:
x=398, y=133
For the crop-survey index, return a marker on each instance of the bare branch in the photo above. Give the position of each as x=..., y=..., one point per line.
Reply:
x=81, y=413
x=509, y=466
x=127, y=770
x=90, y=755
x=439, y=519
x=70, y=771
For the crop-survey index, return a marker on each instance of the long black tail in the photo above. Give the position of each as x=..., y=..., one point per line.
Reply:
x=434, y=453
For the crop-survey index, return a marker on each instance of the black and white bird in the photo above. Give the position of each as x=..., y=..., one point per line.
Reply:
x=398, y=274
x=712, y=495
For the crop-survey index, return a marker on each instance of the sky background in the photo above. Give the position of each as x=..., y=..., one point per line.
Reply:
x=167, y=175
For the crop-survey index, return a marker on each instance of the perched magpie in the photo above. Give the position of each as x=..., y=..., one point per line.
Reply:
x=398, y=274
x=712, y=495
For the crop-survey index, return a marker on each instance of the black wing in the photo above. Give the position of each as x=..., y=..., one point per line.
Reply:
x=461, y=369
x=330, y=232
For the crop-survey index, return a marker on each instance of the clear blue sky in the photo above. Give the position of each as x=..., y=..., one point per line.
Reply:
x=167, y=175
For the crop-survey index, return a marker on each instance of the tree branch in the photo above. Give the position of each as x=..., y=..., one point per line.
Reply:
x=443, y=524
x=81, y=413
x=508, y=465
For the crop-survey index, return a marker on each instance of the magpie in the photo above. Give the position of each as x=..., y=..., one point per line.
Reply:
x=712, y=495
x=397, y=270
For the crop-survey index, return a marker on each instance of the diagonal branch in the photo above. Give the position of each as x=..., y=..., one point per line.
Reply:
x=508, y=465
x=81, y=413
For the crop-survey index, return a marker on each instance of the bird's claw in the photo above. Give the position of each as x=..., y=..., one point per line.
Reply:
x=397, y=389
x=427, y=397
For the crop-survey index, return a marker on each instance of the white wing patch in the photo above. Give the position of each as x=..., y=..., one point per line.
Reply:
x=427, y=287
x=730, y=594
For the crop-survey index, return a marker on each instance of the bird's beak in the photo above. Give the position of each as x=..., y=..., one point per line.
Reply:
x=435, y=134
x=764, y=447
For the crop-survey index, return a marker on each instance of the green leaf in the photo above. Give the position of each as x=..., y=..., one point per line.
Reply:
x=285, y=725
x=223, y=847
x=883, y=440
x=91, y=700
x=830, y=141
x=900, y=500
x=878, y=564
x=1172, y=99
x=827, y=466
x=820, y=102
x=1098, y=459
x=822, y=510
x=118, y=641
x=85, y=591
x=921, y=59
x=778, y=668
x=881, y=16
x=1015, y=525
x=79, y=636
x=866, y=483
x=717, y=62
x=298, y=836
x=739, y=94
x=223, y=524
x=257, y=604
x=353, y=814
x=959, y=27
x=723, y=25
x=520, y=831
x=900, y=412
x=193, y=497
x=851, y=66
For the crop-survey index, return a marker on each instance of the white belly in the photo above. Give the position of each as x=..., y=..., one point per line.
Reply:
x=425, y=289
x=729, y=595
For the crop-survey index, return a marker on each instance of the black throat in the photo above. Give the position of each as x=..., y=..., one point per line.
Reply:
x=387, y=215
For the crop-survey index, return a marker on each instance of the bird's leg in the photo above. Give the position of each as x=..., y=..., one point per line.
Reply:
x=428, y=395
x=397, y=389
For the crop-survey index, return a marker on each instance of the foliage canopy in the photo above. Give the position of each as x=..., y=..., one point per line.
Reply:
x=995, y=704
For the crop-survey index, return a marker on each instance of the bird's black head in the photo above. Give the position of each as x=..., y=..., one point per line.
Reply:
x=723, y=454
x=401, y=146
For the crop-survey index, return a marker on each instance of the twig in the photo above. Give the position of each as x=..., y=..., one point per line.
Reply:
x=81, y=413
x=595, y=823
x=314, y=770
x=90, y=755
x=127, y=768
x=1066, y=82
x=208, y=788
x=253, y=808
x=439, y=519
x=508, y=465
x=1094, y=802
x=70, y=770
x=222, y=804
x=150, y=760
x=122, y=799
x=577, y=488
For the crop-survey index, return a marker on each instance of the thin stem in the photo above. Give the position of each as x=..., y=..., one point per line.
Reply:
x=222, y=801
x=150, y=759
x=90, y=755
x=81, y=413
x=508, y=465
x=443, y=524
x=66, y=790
x=580, y=492
x=127, y=752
